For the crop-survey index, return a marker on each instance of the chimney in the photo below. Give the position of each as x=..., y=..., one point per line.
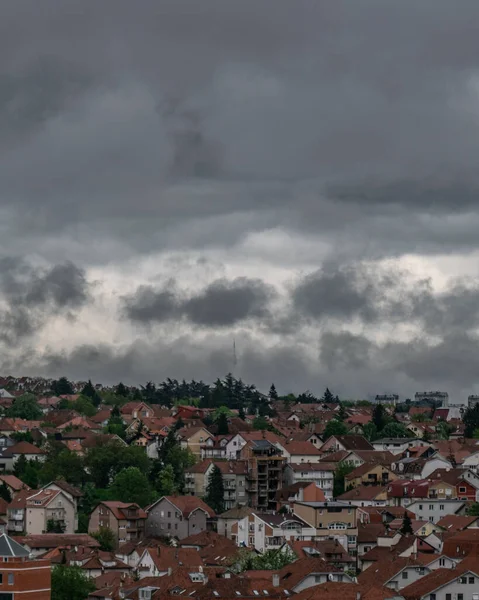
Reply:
x=358, y=595
x=170, y=570
x=275, y=579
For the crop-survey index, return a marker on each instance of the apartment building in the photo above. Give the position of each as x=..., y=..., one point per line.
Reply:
x=321, y=473
x=178, y=516
x=234, y=480
x=264, y=475
x=31, y=511
x=126, y=520
x=336, y=520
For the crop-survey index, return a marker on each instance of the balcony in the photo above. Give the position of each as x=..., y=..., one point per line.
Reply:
x=16, y=516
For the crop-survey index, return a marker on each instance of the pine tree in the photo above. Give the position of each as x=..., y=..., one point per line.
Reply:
x=5, y=492
x=222, y=424
x=121, y=390
x=215, y=490
x=273, y=394
x=328, y=396
x=379, y=417
x=90, y=392
x=471, y=421
x=241, y=413
x=406, y=524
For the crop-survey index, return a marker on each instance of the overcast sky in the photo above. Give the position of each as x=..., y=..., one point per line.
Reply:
x=300, y=177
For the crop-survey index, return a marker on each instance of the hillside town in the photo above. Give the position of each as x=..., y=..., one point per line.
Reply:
x=221, y=491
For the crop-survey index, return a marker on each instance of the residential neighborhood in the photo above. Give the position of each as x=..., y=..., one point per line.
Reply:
x=147, y=497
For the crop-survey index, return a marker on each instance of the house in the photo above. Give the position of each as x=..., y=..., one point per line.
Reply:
x=462, y=544
x=435, y=510
x=395, y=574
x=365, y=496
x=271, y=531
x=233, y=524
x=194, y=438
x=32, y=511
x=236, y=442
x=346, y=442
x=397, y=445
x=40, y=544
x=136, y=410
x=308, y=572
x=22, y=576
x=369, y=474
x=331, y=519
x=178, y=516
x=13, y=484
x=322, y=474
x=10, y=455
x=419, y=468
x=359, y=457
x=188, y=412
x=158, y=561
x=298, y=492
x=403, y=492
x=126, y=520
x=464, y=482
x=455, y=523
x=299, y=452
x=460, y=583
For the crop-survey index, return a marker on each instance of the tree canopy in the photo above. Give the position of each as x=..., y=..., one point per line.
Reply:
x=70, y=583
x=215, y=490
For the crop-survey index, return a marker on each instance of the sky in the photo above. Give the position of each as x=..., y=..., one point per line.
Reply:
x=298, y=179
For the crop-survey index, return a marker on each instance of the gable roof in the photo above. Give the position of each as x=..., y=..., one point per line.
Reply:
x=297, y=448
x=117, y=509
x=362, y=492
x=353, y=442
x=22, y=448
x=186, y=505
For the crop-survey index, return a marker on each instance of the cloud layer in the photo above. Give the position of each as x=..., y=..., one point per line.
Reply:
x=175, y=176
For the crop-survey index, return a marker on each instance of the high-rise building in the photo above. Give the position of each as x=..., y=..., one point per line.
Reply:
x=442, y=397
x=21, y=576
x=387, y=399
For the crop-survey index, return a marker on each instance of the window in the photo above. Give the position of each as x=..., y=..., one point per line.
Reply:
x=431, y=507
x=11, y=579
x=432, y=596
x=460, y=597
x=169, y=514
x=169, y=525
x=404, y=575
x=462, y=490
x=337, y=525
x=471, y=579
x=442, y=563
x=420, y=507
x=462, y=579
x=441, y=507
x=448, y=596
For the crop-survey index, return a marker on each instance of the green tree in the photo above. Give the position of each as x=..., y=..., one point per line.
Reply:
x=106, y=538
x=84, y=405
x=215, y=490
x=343, y=469
x=165, y=482
x=5, y=493
x=269, y=560
x=334, y=427
x=342, y=414
x=471, y=420
x=241, y=413
x=370, y=432
x=104, y=462
x=222, y=424
x=62, y=387
x=380, y=418
x=25, y=407
x=55, y=526
x=273, y=394
x=121, y=390
x=406, y=527
x=20, y=466
x=327, y=396
x=260, y=423
x=70, y=583
x=395, y=430
x=90, y=392
x=131, y=485
x=473, y=510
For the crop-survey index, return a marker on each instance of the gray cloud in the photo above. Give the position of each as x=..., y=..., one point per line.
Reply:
x=133, y=134
x=32, y=295
x=222, y=303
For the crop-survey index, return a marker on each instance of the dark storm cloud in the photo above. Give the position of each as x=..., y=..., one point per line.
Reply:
x=32, y=295
x=222, y=303
x=177, y=126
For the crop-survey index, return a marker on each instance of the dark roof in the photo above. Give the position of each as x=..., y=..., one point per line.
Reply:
x=11, y=548
x=354, y=442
